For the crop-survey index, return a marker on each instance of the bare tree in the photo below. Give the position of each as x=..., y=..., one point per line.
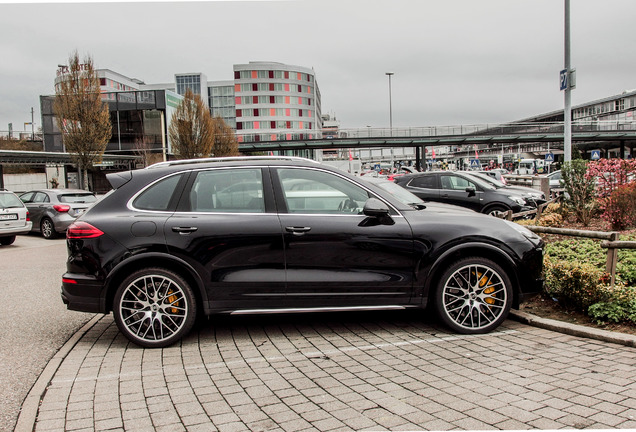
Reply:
x=81, y=114
x=144, y=149
x=225, y=143
x=191, y=128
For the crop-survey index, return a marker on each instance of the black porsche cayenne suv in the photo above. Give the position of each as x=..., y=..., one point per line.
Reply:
x=250, y=235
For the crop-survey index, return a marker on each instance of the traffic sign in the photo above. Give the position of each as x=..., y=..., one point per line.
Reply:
x=563, y=79
x=596, y=155
x=549, y=157
x=474, y=163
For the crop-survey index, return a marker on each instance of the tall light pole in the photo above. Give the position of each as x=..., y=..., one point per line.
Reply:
x=389, y=74
x=567, y=113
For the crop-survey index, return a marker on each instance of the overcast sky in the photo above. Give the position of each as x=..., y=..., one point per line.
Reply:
x=454, y=61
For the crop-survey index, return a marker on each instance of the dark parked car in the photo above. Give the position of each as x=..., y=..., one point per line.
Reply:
x=53, y=210
x=179, y=239
x=532, y=196
x=462, y=189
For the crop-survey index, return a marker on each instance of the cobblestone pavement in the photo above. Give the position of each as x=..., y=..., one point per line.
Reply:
x=334, y=372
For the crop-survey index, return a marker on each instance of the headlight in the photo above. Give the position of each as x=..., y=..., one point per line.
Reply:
x=517, y=199
x=524, y=231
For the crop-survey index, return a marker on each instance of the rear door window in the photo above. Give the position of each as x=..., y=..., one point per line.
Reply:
x=228, y=191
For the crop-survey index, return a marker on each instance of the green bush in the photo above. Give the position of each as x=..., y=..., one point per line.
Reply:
x=575, y=275
x=575, y=284
x=590, y=251
x=621, y=307
x=580, y=189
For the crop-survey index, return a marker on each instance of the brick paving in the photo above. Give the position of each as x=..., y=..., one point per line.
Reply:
x=335, y=372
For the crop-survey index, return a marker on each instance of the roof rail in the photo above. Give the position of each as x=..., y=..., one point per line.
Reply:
x=228, y=159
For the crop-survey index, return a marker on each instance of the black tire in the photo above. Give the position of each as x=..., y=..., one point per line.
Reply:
x=154, y=307
x=47, y=228
x=473, y=296
x=6, y=241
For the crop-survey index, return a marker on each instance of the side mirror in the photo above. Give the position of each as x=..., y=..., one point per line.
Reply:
x=471, y=191
x=375, y=208
x=377, y=212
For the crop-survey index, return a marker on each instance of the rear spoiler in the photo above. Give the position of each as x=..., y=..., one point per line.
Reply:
x=119, y=179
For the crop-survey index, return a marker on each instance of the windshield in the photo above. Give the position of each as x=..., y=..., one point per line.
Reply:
x=398, y=192
x=8, y=200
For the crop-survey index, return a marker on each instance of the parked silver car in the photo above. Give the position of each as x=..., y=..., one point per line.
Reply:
x=53, y=210
x=14, y=217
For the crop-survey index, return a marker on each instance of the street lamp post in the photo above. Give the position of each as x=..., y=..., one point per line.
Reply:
x=389, y=74
x=567, y=114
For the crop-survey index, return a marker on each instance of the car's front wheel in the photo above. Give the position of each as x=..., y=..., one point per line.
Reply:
x=495, y=210
x=154, y=307
x=474, y=295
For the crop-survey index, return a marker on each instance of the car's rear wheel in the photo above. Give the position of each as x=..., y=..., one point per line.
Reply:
x=154, y=307
x=48, y=229
x=6, y=241
x=474, y=295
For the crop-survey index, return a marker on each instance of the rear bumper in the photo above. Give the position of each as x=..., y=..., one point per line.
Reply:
x=6, y=231
x=82, y=293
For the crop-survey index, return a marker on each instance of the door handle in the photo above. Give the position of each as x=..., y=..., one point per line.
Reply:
x=297, y=231
x=184, y=230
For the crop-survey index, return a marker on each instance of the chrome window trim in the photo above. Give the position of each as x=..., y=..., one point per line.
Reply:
x=130, y=206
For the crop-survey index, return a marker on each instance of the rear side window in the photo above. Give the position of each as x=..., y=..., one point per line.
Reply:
x=157, y=197
x=424, y=182
x=228, y=191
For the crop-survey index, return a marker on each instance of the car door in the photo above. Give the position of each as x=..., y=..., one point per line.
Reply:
x=36, y=203
x=335, y=255
x=460, y=191
x=226, y=226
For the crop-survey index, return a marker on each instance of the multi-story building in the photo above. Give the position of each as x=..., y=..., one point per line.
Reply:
x=265, y=101
x=274, y=101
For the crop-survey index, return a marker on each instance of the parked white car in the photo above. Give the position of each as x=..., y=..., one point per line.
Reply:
x=14, y=217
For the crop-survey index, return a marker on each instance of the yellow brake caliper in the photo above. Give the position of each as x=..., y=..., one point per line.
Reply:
x=489, y=290
x=172, y=299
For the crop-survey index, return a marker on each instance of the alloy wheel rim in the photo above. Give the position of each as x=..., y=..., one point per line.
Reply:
x=47, y=228
x=153, y=308
x=474, y=296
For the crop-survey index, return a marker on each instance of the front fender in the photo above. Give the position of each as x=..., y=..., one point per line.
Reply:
x=428, y=274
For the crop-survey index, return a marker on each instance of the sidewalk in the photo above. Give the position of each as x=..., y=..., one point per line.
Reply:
x=276, y=374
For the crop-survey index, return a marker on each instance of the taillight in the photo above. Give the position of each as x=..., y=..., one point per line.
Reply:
x=28, y=217
x=62, y=208
x=82, y=230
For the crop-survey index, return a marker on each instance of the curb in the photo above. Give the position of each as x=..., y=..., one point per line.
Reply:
x=574, y=329
x=29, y=410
